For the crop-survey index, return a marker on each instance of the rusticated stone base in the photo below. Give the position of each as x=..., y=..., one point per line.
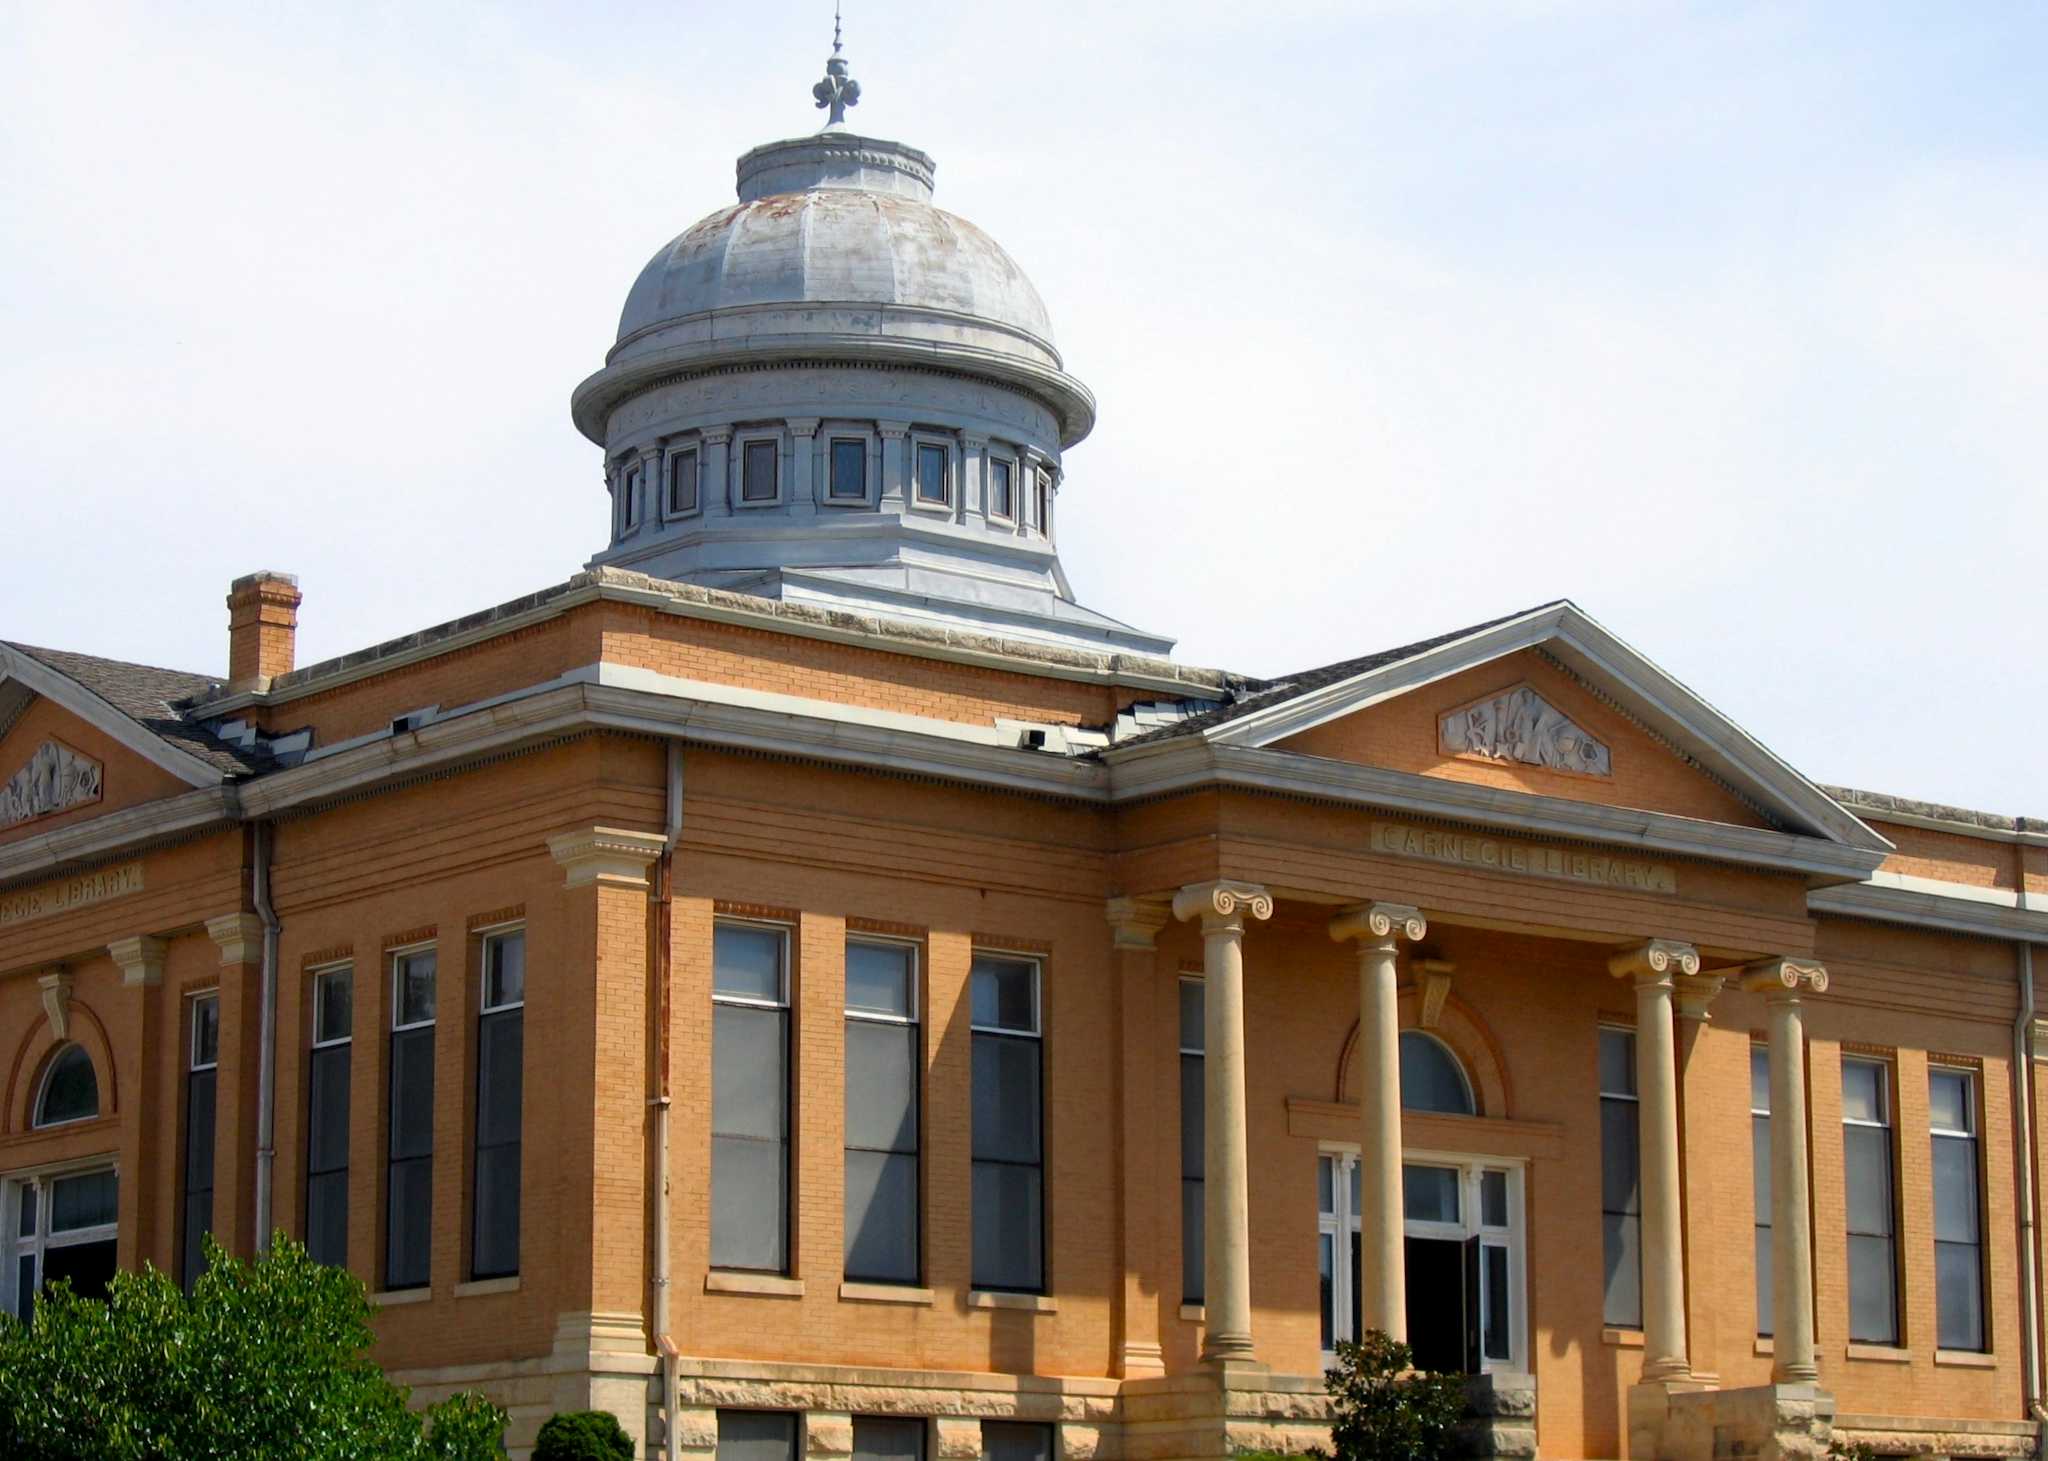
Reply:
x=1756, y=1423
x=1940, y=1440
x=1500, y=1419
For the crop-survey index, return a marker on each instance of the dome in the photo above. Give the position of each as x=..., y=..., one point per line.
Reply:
x=835, y=251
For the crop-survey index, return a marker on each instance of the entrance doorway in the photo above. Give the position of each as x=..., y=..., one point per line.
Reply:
x=1463, y=1259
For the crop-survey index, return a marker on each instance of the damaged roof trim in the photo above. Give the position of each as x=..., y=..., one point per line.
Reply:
x=62, y=690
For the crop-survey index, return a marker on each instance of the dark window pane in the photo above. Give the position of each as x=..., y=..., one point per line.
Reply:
x=1326, y=1250
x=1867, y=1163
x=1494, y=1273
x=205, y=1031
x=333, y=1005
x=504, y=970
x=87, y=1265
x=1617, y=1062
x=327, y=1114
x=1760, y=1165
x=494, y=1245
x=887, y=1438
x=25, y=1287
x=71, y=1092
x=415, y=988
x=1873, y=1311
x=1192, y=1116
x=87, y=1201
x=1430, y=1194
x=749, y=1203
x=1010, y=1440
x=412, y=1093
x=327, y=1217
x=1008, y=1227
x=199, y=1132
x=881, y=1217
x=746, y=962
x=494, y=1238
x=879, y=979
x=1193, y=1036
x=1430, y=1077
x=756, y=1435
x=748, y=1082
x=1863, y=1091
x=500, y=1042
x=1006, y=1099
x=27, y=1224
x=1759, y=1078
x=1955, y=1190
x=1959, y=1295
x=1764, y=1293
x=1191, y=1231
x=849, y=468
x=758, y=482
x=1619, y=1170
x=1493, y=1199
x=198, y=1222
x=931, y=473
x=1948, y=1101
x=881, y=1086
x=1326, y=1185
x=1621, y=1250
x=409, y=1223
x=1004, y=994
x=682, y=482
x=999, y=488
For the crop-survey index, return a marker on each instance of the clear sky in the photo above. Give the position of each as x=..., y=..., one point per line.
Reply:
x=1728, y=321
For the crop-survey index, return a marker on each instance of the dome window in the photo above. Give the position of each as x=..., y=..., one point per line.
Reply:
x=849, y=469
x=1044, y=503
x=934, y=474
x=682, y=482
x=759, y=460
x=1001, y=488
x=71, y=1089
x=1431, y=1078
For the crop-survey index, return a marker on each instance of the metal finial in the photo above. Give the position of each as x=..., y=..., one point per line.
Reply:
x=838, y=90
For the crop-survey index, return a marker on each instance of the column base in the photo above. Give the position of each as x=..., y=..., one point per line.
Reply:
x=1766, y=1422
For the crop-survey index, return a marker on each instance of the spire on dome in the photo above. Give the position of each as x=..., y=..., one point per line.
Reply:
x=838, y=90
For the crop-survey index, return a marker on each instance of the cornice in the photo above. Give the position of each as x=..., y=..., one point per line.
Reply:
x=132, y=829
x=60, y=689
x=1966, y=911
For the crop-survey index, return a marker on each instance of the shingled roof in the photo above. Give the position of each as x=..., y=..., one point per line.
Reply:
x=151, y=696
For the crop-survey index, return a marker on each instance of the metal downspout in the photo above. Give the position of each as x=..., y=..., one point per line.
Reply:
x=2023, y=1105
x=266, y=1060
x=664, y=1342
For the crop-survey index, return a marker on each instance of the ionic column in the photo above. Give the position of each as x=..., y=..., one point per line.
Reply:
x=1780, y=982
x=1655, y=968
x=803, y=456
x=1382, y=1280
x=1226, y=1210
x=1134, y=926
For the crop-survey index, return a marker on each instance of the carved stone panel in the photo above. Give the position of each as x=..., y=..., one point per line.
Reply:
x=1520, y=725
x=55, y=778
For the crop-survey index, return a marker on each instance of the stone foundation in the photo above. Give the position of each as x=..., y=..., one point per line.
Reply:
x=1756, y=1423
x=1939, y=1440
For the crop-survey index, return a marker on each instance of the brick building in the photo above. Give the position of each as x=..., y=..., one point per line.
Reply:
x=958, y=1027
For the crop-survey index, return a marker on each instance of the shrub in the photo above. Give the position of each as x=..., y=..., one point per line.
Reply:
x=262, y=1360
x=583, y=1435
x=1382, y=1410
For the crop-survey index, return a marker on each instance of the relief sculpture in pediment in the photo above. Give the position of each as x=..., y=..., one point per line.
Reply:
x=55, y=778
x=1520, y=725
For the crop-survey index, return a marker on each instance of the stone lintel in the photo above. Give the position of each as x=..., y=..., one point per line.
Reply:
x=240, y=936
x=1379, y=923
x=1657, y=959
x=613, y=856
x=140, y=957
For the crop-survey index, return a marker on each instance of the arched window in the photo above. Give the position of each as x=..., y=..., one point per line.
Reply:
x=1431, y=1078
x=71, y=1090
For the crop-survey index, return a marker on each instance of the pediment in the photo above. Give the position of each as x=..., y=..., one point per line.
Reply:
x=57, y=769
x=55, y=779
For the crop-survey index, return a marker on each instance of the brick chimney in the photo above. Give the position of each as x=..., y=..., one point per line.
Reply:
x=263, y=618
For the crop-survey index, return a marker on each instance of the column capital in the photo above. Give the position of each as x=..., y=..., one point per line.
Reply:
x=649, y=453
x=1656, y=961
x=616, y=857
x=717, y=435
x=892, y=430
x=1696, y=992
x=803, y=425
x=141, y=958
x=56, y=992
x=1222, y=904
x=973, y=440
x=1784, y=978
x=240, y=936
x=1135, y=922
x=1381, y=922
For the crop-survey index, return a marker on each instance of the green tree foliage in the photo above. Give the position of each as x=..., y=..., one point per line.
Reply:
x=263, y=1360
x=583, y=1435
x=1383, y=1410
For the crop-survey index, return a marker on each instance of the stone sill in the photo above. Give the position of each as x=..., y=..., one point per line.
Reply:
x=763, y=1285
x=1764, y=1345
x=1622, y=1338
x=1888, y=1354
x=997, y=1299
x=389, y=1298
x=885, y=1293
x=1966, y=1359
x=478, y=1287
x=1195, y=1313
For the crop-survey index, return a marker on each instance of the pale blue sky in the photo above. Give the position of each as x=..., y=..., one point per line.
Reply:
x=1729, y=322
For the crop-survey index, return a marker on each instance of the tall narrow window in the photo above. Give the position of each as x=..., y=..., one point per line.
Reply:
x=750, y=1097
x=1044, y=504
x=57, y=1228
x=1621, y=1207
x=932, y=486
x=500, y=1056
x=1872, y=1202
x=849, y=469
x=882, y=1062
x=758, y=462
x=631, y=509
x=999, y=488
x=1958, y=1217
x=409, y=1177
x=1008, y=1193
x=682, y=482
x=202, y=1059
x=1760, y=1169
x=1192, y=1136
x=327, y=1079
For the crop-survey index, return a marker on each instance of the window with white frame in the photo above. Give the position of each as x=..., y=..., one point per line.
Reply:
x=846, y=467
x=327, y=1081
x=934, y=475
x=1193, y=1138
x=70, y=1089
x=883, y=1058
x=1008, y=1124
x=1002, y=488
x=500, y=1077
x=202, y=1059
x=750, y=1097
x=59, y=1224
x=1463, y=1252
x=409, y=1169
x=629, y=498
x=760, y=470
x=1621, y=1198
x=1958, y=1210
x=1043, y=503
x=1760, y=1180
x=683, y=484
x=1872, y=1202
